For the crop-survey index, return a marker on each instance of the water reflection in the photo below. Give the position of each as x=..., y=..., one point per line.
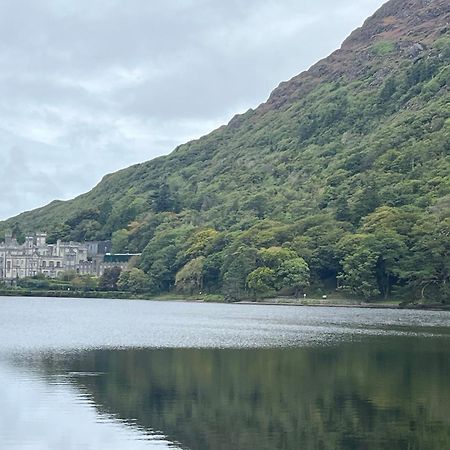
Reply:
x=383, y=393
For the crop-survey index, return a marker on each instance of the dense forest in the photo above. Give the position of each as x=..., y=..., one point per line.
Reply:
x=341, y=180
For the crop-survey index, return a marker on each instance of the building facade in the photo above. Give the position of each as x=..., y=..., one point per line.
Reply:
x=35, y=256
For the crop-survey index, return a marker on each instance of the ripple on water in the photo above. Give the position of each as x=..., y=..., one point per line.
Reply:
x=77, y=324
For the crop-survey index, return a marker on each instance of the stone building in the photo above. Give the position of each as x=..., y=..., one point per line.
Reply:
x=35, y=256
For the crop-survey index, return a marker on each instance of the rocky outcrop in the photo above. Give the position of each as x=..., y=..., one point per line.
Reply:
x=408, y=26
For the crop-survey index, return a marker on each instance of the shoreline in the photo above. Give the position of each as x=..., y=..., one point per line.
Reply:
x=410, y=306
x=317, y=303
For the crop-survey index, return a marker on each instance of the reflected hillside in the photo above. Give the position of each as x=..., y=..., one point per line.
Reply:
x=385, y=394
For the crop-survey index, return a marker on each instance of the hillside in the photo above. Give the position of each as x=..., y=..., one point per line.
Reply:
x=344, y=172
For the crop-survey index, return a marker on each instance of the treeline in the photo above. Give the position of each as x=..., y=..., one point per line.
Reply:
x=400, y=253
x=396, y=252
x=69, y=282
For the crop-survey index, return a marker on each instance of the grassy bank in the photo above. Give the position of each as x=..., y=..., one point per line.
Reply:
x=108, y=295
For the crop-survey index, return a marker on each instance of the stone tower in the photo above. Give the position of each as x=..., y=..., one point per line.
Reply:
x=41, y=239
x=8, y=238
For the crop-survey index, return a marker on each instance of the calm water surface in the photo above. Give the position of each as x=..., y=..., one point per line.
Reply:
x=107, y=374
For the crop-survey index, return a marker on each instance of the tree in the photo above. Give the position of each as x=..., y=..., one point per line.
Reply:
x=273, y=257
x=364, y=201
x=108, y=281
x=388, y=90
x=201, y=242
x=134, y=280
x=238, y=263
x=427, y=267
x=165, y=199
x=85, y=283
x=258, y=204
x=317, y=246
x=400, y=220
x=163, y=255
x=293, y=273
x=391, y=250
x=371, y=262
x=358, y=276
x=68, y=275
x=119, y=241
x=261, y=280
x=358, y=263
x=190, y=278
x=289, y=270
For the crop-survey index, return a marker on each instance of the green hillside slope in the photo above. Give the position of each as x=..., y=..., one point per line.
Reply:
x=341, y=178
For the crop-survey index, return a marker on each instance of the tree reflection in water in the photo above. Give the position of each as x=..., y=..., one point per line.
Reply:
x=383, y=393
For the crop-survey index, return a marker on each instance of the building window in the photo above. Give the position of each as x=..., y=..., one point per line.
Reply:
x=52, y=264
x=44, y=264
x=58, y=264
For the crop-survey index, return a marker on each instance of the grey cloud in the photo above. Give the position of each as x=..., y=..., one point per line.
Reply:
x=90, y=86
x=21, y=184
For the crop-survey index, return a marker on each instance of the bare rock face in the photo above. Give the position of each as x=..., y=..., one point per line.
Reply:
x=415, y=50
x=400, y=29
x=402, y=19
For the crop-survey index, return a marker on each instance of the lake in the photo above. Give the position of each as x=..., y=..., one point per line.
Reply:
x=122, y=374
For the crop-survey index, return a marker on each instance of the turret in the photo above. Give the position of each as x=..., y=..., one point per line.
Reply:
x=29, y=242
x=8, y=238
x=41, y=239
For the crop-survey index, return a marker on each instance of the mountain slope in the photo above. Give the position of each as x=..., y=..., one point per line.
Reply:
x=365, y=129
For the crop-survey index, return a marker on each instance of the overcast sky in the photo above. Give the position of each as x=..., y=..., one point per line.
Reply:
x=91, y=86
